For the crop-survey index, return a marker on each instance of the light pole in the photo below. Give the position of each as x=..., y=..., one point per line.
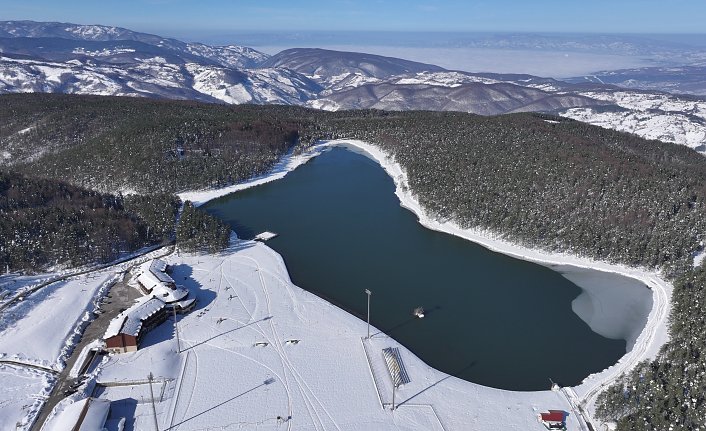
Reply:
x=154, y=410
x=368, y=292
x=176, y=329
x=394, y=387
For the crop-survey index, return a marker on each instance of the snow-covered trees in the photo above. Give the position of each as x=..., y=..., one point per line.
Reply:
x=198, y=230
x=668, y=393
x=114, y=144
x=561, y=185
x=47, y=223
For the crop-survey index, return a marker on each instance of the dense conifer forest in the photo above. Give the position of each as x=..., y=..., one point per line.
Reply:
x=541, y=181
x=199, y=231
x=50, y=223
x=115, y=144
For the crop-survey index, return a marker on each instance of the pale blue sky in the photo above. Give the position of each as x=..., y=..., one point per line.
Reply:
x=183, y=17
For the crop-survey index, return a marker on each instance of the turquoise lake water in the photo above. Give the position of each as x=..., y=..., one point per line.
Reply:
x=490, y=319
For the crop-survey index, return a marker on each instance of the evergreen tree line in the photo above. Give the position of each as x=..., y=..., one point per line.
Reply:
x=199, y=231
x=562, y=186
x=50, y=223
x=669, y=392
x=143, y=146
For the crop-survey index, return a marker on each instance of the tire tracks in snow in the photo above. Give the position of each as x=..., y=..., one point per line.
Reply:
x=304, y=388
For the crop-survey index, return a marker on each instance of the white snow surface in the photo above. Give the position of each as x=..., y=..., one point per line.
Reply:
x=665, y=117
x=41, y=329
x=246, y=298
x=94, y=418
x=22, y=395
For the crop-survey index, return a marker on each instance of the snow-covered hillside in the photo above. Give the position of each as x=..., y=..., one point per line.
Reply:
x=156, y=77
x=252, y=86
x=669, y=118
x=105, y=60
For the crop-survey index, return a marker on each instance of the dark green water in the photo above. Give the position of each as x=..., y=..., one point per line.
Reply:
x=491, y=319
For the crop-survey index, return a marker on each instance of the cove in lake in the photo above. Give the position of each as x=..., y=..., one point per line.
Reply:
x=490, y=319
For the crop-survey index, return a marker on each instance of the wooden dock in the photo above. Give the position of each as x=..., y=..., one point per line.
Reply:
x=265, y=236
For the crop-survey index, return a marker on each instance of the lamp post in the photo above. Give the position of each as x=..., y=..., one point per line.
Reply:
x=154, y=410
x=176, y=329
x=394, y=388
x=368, y=292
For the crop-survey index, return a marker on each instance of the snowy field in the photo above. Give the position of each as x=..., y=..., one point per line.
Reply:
x=29, y=328
x=40, y=331
x=42, y=328
x=22, y=394
x=258, y=347
x=668, y=118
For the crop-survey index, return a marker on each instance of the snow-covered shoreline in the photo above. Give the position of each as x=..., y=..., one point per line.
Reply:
x=647, y=344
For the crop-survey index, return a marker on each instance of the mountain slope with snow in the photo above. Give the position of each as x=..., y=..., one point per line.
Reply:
x=105, y=60
x=156, y=77
x=227, y=56
x=328, y=67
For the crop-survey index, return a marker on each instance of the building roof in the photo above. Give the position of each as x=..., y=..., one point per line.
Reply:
x=158, y=268
x=129, y=322
x=153, y=273
x=169, y=295
x=157, y=282
x=88, y=414
x=553, y=416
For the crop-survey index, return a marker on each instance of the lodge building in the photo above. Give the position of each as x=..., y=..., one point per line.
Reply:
x=153, y=279
x=127, y=330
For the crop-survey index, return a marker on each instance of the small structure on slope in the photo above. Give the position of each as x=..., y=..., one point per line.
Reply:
x=127, y=330
x=554, y=419
x=153, y=279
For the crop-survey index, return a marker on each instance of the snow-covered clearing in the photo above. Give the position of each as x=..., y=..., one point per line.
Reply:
x=665, y=117
x=40, y=329
x=272, y=349
x=53, y=318
x=23, y=390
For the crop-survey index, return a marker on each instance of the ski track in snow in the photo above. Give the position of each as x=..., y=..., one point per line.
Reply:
x=277, y=345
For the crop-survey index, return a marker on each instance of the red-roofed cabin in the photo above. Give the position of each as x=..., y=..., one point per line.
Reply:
x=554, y=420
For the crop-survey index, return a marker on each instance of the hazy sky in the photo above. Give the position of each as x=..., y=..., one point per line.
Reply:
x=183, y=17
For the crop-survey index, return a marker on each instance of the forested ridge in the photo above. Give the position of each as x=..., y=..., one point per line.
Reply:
x=51, y=223
x=537, y=180
x=559, y=185
x=141, y=146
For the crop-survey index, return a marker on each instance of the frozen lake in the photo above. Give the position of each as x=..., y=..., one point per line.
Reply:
x=490, y=319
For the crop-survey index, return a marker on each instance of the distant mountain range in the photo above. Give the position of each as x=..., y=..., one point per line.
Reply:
x=103, y=60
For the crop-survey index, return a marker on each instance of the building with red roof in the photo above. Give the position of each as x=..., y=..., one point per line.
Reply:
x=554, y=419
